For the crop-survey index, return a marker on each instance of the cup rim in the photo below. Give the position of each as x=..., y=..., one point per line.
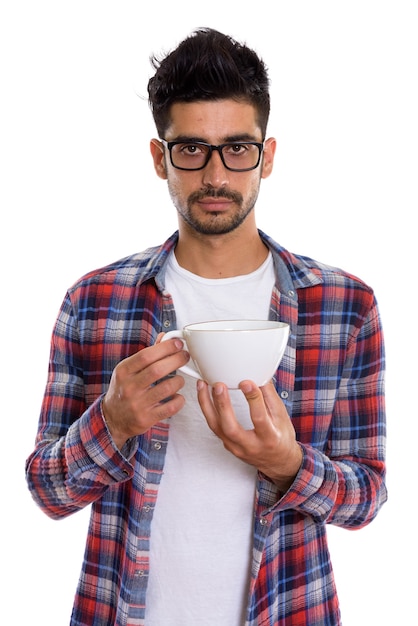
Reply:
x=254, y=325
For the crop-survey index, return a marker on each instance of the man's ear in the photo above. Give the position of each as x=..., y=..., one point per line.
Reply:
x=268, y=157
x=157, y=153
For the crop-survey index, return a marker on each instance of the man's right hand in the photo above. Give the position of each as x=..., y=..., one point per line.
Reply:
x=140, y=394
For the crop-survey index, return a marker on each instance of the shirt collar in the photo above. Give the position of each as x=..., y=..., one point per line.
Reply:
x=292, y=271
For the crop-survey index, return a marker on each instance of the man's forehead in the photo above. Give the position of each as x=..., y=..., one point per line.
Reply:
x=210, y=119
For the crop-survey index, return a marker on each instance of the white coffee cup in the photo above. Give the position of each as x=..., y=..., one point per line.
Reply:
x=230, y=351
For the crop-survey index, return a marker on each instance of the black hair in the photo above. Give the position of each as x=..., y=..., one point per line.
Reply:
x=208, y=65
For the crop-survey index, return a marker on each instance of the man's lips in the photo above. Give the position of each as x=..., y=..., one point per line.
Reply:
x=215, y=204
x=213, y=201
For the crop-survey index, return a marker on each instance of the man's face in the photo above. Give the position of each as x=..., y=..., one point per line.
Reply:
x=213, y=200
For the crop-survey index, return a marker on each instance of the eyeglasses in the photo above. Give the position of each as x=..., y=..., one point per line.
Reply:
x=238, y=156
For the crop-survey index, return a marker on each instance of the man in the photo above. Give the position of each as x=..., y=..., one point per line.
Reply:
x=210, y=506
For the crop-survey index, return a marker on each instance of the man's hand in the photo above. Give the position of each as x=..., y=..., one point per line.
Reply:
x=271, y=446
x=139, y=393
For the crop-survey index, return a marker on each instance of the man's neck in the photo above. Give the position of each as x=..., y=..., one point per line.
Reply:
x=221, y=256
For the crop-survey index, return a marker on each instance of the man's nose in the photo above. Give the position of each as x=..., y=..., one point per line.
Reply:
x=215, y=173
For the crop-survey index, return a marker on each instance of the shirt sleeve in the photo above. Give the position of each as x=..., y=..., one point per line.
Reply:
x=75, y=459
x=345, y=484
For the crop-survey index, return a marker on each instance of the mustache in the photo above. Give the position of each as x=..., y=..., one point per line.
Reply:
x=211, y=192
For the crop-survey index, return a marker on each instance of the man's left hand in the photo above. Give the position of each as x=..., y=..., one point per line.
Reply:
x=271, y=446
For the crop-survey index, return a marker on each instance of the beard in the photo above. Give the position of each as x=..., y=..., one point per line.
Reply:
x=215, y=223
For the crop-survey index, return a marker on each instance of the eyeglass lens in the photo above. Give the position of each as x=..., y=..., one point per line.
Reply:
x=236, y=156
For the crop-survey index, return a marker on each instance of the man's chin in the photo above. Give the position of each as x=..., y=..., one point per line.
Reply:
x=216, y=225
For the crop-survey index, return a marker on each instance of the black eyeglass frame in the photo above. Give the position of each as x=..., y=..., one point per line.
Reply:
x=170, y=145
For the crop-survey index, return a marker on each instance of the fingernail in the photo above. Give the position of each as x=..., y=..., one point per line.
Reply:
x=218, y=390
x=246, y=387
x=200, y=384
x=178, y=343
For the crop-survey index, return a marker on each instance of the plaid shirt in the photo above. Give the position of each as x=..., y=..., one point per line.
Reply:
x=331, y=380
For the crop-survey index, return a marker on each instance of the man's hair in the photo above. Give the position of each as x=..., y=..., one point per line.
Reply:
x=208, y=65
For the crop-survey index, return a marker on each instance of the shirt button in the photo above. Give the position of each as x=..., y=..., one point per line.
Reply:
x=263, y=521
x=290, y=293
x=157, y=445
x=284, y=395
x=147, y=508
x=139, y=573
x=166, y=323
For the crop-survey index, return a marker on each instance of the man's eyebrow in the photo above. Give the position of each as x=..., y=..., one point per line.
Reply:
x=188, y=139
x=229, y=139
x=241, y=137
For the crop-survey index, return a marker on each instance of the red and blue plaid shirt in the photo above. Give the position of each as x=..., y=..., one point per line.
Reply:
x=331, y=380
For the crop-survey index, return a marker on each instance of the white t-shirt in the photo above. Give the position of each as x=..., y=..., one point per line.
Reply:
x=201, y=533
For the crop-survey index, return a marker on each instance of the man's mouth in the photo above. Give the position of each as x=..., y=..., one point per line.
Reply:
x=214, y=204
x=215, y=201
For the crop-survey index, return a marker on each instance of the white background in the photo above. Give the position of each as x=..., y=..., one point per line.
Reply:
x=78, y=191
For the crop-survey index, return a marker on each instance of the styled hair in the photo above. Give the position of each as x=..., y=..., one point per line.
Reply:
x=208, y=65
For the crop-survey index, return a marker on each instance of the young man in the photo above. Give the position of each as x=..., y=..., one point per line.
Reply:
x=210, y=506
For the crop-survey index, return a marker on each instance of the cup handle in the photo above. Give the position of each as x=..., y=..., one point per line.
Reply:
x=187, y=369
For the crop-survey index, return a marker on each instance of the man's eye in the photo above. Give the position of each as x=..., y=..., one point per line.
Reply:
x=190, y=149
x=237, y=148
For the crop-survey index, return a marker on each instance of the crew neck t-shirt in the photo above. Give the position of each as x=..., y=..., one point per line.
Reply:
x=201, y=533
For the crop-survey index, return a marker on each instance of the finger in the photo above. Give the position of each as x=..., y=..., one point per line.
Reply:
x=228, y=424
x=167, y=402
x=156, y=361
x=260, y=414
x=159, y=337
x=141, y=359
x=274, y=404
x=164, y=389
x=207, y=406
